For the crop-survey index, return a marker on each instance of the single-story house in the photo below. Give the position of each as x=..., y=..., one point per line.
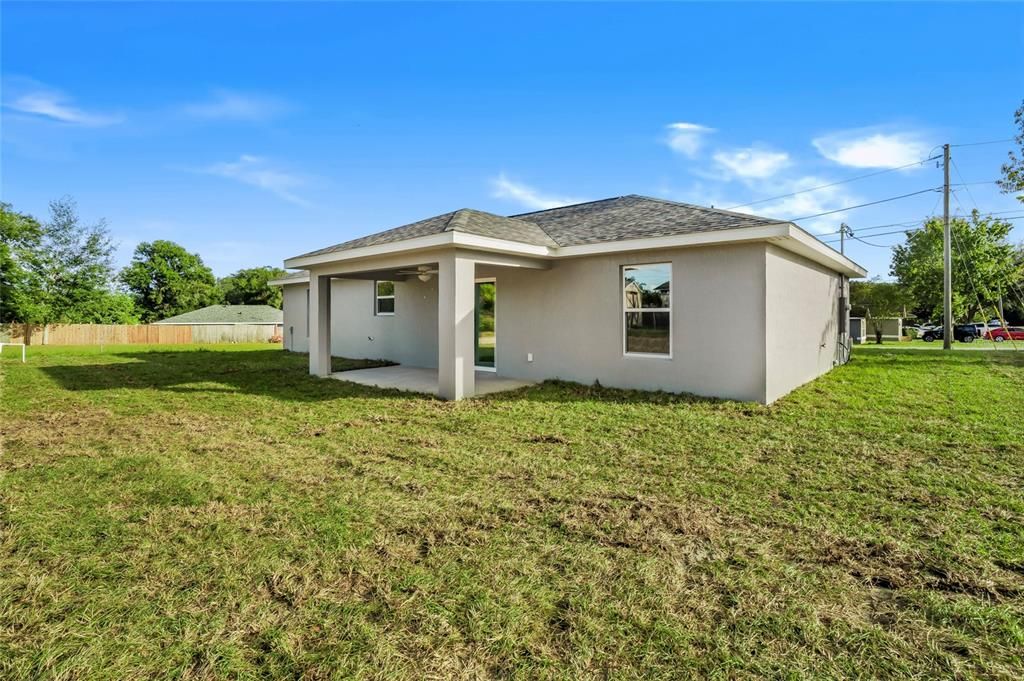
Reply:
x=634, y=292
x=229, y=314
x=231, y=323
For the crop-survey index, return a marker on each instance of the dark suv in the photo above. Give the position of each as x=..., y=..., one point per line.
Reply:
x=965, y=333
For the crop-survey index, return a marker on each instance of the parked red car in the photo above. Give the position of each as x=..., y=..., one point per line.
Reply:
x=999, y=335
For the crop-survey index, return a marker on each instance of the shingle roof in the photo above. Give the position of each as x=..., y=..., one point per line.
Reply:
x=229, y=314
x=464, y=220
x=617, y=219
x=634, y=217
x=301, y=275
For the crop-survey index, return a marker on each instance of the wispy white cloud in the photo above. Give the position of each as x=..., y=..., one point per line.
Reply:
x=257, y=172
x=801, y=204
x=236, y=106
x=687, y=138
x=33, y=98
x=505, y=188
x=752, y=162
x=872, y=148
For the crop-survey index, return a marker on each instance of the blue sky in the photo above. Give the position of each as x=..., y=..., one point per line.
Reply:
x=250, y=132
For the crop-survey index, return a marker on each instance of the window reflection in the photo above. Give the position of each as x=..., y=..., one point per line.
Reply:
x=647, y=306
x=384, y=297
x=647, y=332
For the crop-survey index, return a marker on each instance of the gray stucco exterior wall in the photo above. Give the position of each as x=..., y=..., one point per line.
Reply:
x=408, y=337
x=296, y=335
x=571, y=319
x=802, y=333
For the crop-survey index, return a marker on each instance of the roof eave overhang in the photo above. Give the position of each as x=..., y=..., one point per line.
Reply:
x=422, y=243
x=802, y=243
x=785, y=235
x=284, y=281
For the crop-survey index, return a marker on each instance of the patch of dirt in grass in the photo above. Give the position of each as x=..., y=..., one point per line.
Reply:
x=51, y=436
x=642, y=523
x=547, y=439
x=891, y=567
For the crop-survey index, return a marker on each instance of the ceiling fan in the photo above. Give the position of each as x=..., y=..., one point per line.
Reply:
x=423, y=272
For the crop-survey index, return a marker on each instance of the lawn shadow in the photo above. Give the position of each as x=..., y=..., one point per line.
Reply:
x=271, y=373
x=558, y=390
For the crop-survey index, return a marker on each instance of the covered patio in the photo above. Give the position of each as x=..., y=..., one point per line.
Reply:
x=424, y=380
x=448, y=272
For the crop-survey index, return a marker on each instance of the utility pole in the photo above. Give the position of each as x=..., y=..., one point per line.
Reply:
x=843, y=229
x=947, y=258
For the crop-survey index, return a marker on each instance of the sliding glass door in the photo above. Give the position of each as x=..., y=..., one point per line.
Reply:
x=486, y=337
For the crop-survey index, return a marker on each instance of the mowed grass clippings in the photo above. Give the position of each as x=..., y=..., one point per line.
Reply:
x=170, y=512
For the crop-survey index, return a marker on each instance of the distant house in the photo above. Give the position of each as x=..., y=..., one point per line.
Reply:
x=231, y=323
x=229, y=314
x=623, y=291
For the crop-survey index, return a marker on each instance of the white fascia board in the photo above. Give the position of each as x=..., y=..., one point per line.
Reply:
x=488, y=243
x=802, y=243
x=474, y=241
x=418, y=243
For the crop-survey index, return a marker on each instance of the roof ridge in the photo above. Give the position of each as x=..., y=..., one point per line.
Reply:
x=571, y=205
x=456, y=219
x=708, y=208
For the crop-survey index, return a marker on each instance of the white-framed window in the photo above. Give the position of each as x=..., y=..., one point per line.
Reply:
x=647, y=310
x=384, y=298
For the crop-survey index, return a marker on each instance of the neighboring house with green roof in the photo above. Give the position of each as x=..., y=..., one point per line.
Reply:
x=229, y=314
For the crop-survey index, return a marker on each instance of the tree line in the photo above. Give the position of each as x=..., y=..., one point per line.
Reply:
x=61, y=271
x=988, y=270
x=988, y=275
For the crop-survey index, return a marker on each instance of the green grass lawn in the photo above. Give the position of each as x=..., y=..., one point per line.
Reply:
x=217, y=513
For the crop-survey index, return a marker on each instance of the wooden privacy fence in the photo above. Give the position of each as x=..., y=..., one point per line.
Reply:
x=126, y=334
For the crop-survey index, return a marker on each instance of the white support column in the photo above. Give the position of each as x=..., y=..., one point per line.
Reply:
x=319, y=325
x=456, y=326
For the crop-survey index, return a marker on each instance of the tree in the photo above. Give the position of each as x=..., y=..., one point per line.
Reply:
x=112, y=308
x=60, y=270
x=167, y=280
x=984, y=264
x=249, y=287
x=1013, y=169
x=20, y=236
x=877, y=300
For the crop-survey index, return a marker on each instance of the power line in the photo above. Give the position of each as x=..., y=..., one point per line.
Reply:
x=957, y=169
x=863, y=205
x=868, y=243
x=978, y=144
x=907, y=231
x=914, y=221
x=832, y=184
x=905, y=223
x=899, y=231
x=970, y=184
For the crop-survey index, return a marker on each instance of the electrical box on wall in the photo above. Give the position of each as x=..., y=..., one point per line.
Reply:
x=529, y=357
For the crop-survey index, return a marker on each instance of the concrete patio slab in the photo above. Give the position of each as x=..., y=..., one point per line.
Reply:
x=423, y=380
